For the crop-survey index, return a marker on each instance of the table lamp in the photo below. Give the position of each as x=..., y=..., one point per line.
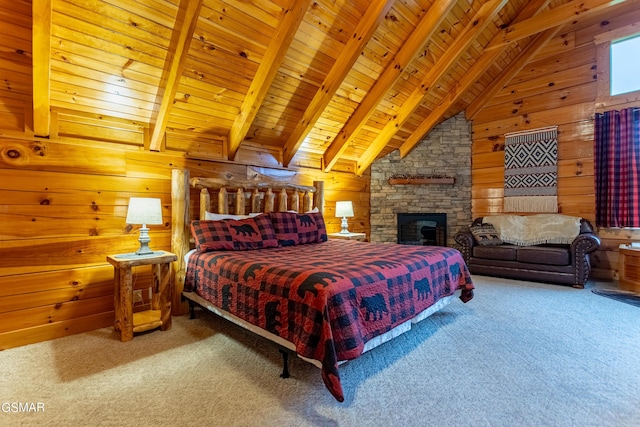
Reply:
x=344, y=209
x=144, y=210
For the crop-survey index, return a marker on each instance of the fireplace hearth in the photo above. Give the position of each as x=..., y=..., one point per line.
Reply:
x=422, y=229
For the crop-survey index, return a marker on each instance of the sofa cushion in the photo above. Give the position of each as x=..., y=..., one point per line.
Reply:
x=549, y=255
x=501, y=252
x=485, y=234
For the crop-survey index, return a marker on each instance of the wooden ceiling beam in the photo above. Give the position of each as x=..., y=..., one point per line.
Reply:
x=476, y=26
x=266, y=73
x=551, y=18
x=470, y=78
x=423, y=32
x=565, y=14
x=184, y=27
x=332, y=81
x=510, y=71
x=41, y=59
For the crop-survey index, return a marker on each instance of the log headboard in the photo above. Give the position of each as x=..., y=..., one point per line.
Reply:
x=238, y=196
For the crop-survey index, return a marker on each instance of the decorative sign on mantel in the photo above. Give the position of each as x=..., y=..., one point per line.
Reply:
x=421, y=179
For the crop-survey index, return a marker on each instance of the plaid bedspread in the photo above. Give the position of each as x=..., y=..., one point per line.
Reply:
x=329, y=298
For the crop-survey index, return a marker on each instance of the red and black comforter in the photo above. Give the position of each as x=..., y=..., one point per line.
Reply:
x=329, y=298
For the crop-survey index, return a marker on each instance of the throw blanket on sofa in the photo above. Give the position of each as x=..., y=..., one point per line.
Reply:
x=535, y=229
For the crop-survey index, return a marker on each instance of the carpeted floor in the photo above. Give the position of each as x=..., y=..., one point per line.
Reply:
x=618, y=295
x=518, y=354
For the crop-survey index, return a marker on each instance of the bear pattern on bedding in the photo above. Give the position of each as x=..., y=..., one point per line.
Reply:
x=329, y=298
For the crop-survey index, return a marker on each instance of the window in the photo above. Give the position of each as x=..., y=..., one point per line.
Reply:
x=625, y=64
x=617, y=128
x=618, y=62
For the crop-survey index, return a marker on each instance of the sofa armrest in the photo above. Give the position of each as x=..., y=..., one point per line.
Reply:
x=467, y=242
x=581, y=247
x=584, y=244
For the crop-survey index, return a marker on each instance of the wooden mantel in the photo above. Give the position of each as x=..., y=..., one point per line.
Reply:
x=422, y=180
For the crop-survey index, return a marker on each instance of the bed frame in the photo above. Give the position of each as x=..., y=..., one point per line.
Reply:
x=239, y=196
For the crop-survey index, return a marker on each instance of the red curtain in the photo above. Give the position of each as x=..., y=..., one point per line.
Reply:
x=617, y=168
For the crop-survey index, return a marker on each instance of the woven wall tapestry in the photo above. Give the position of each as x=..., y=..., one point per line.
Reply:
x=531, y=171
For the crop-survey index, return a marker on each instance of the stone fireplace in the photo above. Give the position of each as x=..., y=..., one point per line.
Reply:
x=445, y=151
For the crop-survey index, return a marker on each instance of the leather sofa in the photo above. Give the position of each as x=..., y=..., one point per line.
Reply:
x=555, y=263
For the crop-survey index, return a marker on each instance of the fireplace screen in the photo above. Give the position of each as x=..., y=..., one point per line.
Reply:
x=422, y=229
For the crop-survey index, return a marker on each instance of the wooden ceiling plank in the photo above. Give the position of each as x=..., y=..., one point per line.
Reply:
x=185, y=26
x=479, y=68
x=423, y=31
x=41, y=47
x=551, y=18
x=586, y=8
x=476, y=25
x=266, y=73
x=510, y=72
x=343, y=64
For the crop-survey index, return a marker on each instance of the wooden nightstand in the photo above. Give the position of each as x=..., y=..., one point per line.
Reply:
x=629, y=268
x=362, y=237
x=128, y=322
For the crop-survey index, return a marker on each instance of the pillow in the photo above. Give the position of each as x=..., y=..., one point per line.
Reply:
x=297, y=229
x=210, y=216
x=311, y=228
x=285, y=224
x=485, y=234
x=234, y=235
x=311, y=211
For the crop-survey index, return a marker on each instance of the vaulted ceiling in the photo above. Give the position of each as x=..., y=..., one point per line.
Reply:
x=340, y=80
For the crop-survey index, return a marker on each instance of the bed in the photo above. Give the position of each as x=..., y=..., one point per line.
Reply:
x=277, y=275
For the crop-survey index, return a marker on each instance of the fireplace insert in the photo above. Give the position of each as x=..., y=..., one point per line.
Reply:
x=422, y=229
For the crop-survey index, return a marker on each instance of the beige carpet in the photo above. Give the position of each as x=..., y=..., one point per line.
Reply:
x=518, y=354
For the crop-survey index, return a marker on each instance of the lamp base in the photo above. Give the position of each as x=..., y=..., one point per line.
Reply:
x=144, y=250
x=345, y=226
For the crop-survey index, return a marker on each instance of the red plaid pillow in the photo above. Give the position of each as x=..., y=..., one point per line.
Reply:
x=311, y=228
x=234, y=235
x=285, y=225
x=297, y=229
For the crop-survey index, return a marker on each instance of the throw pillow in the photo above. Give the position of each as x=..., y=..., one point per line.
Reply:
x=311, y=228
x=298, y=229
x=485, y=234
x=285, y=225
x=234, y=235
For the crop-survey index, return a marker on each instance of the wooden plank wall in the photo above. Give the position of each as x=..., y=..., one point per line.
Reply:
x=63, y=199
x=63, y=210
x=558, y=87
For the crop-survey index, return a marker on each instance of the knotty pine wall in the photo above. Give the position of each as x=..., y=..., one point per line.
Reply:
x=558, y=87
x=63, y=210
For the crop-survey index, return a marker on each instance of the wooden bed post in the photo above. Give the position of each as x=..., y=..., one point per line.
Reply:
x=269, y=201
x=295, y=201
x=282, y=200
x=319, y=195
x=205, y=203
x=240, y=202
x=223, y=202
x=255, y=201
x=306, y=202
x=179, y=235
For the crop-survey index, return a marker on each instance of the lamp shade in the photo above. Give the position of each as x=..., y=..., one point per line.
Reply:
x=344, y=209
x=144, y=210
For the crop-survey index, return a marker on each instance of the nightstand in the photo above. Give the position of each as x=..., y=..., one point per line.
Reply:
x=128, y=322
x=629, y=268
x=362, y=237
